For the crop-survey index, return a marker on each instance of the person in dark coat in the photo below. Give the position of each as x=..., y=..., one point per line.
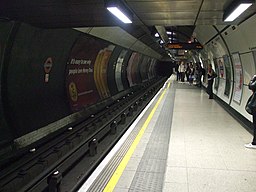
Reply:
x=211, y=76
x=177, y=71
x=252, y=86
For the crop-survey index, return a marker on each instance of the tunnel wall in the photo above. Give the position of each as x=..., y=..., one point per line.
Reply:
x=120, y=37
x=6, y=29
x=232, y=52
x=49, y=74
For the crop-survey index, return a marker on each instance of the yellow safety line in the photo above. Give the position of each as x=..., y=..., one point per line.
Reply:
x=117, y=174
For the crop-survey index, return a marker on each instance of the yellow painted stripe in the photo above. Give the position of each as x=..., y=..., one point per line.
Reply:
x=169, y=85
x=117, y=174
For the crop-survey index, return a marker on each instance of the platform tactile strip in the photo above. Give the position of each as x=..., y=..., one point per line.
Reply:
x=147, y=181
x=150, y=172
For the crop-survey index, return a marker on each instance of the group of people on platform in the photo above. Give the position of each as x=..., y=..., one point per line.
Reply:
x=193, y=73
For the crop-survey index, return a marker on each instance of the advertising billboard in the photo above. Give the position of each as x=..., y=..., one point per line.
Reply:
x=86, y=72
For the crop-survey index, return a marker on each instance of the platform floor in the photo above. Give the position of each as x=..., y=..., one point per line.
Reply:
x=183, y=142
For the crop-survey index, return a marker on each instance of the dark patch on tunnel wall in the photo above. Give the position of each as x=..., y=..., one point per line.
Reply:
x=165, y=68
x=6, y=28
x=111, y=70
x=36, y=77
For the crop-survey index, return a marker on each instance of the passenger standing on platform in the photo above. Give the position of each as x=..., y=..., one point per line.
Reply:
x=191, y=74
x=196, y=74
x=252, y=86
x=201, y=73
x=211, y=75
x=187, y=72
x=182, y=71
x=177, y=71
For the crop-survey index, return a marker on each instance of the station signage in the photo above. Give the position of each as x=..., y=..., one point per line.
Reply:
x=187, y=46
x=47, y=69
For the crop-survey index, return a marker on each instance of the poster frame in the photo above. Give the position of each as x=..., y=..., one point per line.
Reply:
x=237, y=99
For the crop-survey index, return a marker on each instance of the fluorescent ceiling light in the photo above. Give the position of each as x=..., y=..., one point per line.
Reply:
x=170, y=33
x=238, y=11
x=119, y=14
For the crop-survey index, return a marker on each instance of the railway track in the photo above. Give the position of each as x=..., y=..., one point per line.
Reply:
x=64, y=162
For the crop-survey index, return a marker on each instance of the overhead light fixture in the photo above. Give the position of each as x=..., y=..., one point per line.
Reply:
x=119, y=9
x=173, y=39
x=156, y=35
x=170, y=33
x=162, y=33
x=235, y=9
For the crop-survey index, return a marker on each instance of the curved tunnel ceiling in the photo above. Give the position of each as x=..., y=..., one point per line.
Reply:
x=180, y=16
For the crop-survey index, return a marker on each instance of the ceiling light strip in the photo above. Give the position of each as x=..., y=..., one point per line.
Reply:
x=238, y=11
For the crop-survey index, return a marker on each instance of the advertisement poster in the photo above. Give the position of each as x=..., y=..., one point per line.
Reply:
x=238, y=75
x=100, y=71
x=81, y=88
x=136, y=78
x=205, y=66
x=152, y=70
x=129, y=69
x=216, y=69
x=118, y=70
x=221, y=68
x=132, y=69
x=144, y=66
x=150, y=75
x=228, y=75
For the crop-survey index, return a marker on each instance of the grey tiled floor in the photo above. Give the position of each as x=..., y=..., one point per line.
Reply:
x=206, y=149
